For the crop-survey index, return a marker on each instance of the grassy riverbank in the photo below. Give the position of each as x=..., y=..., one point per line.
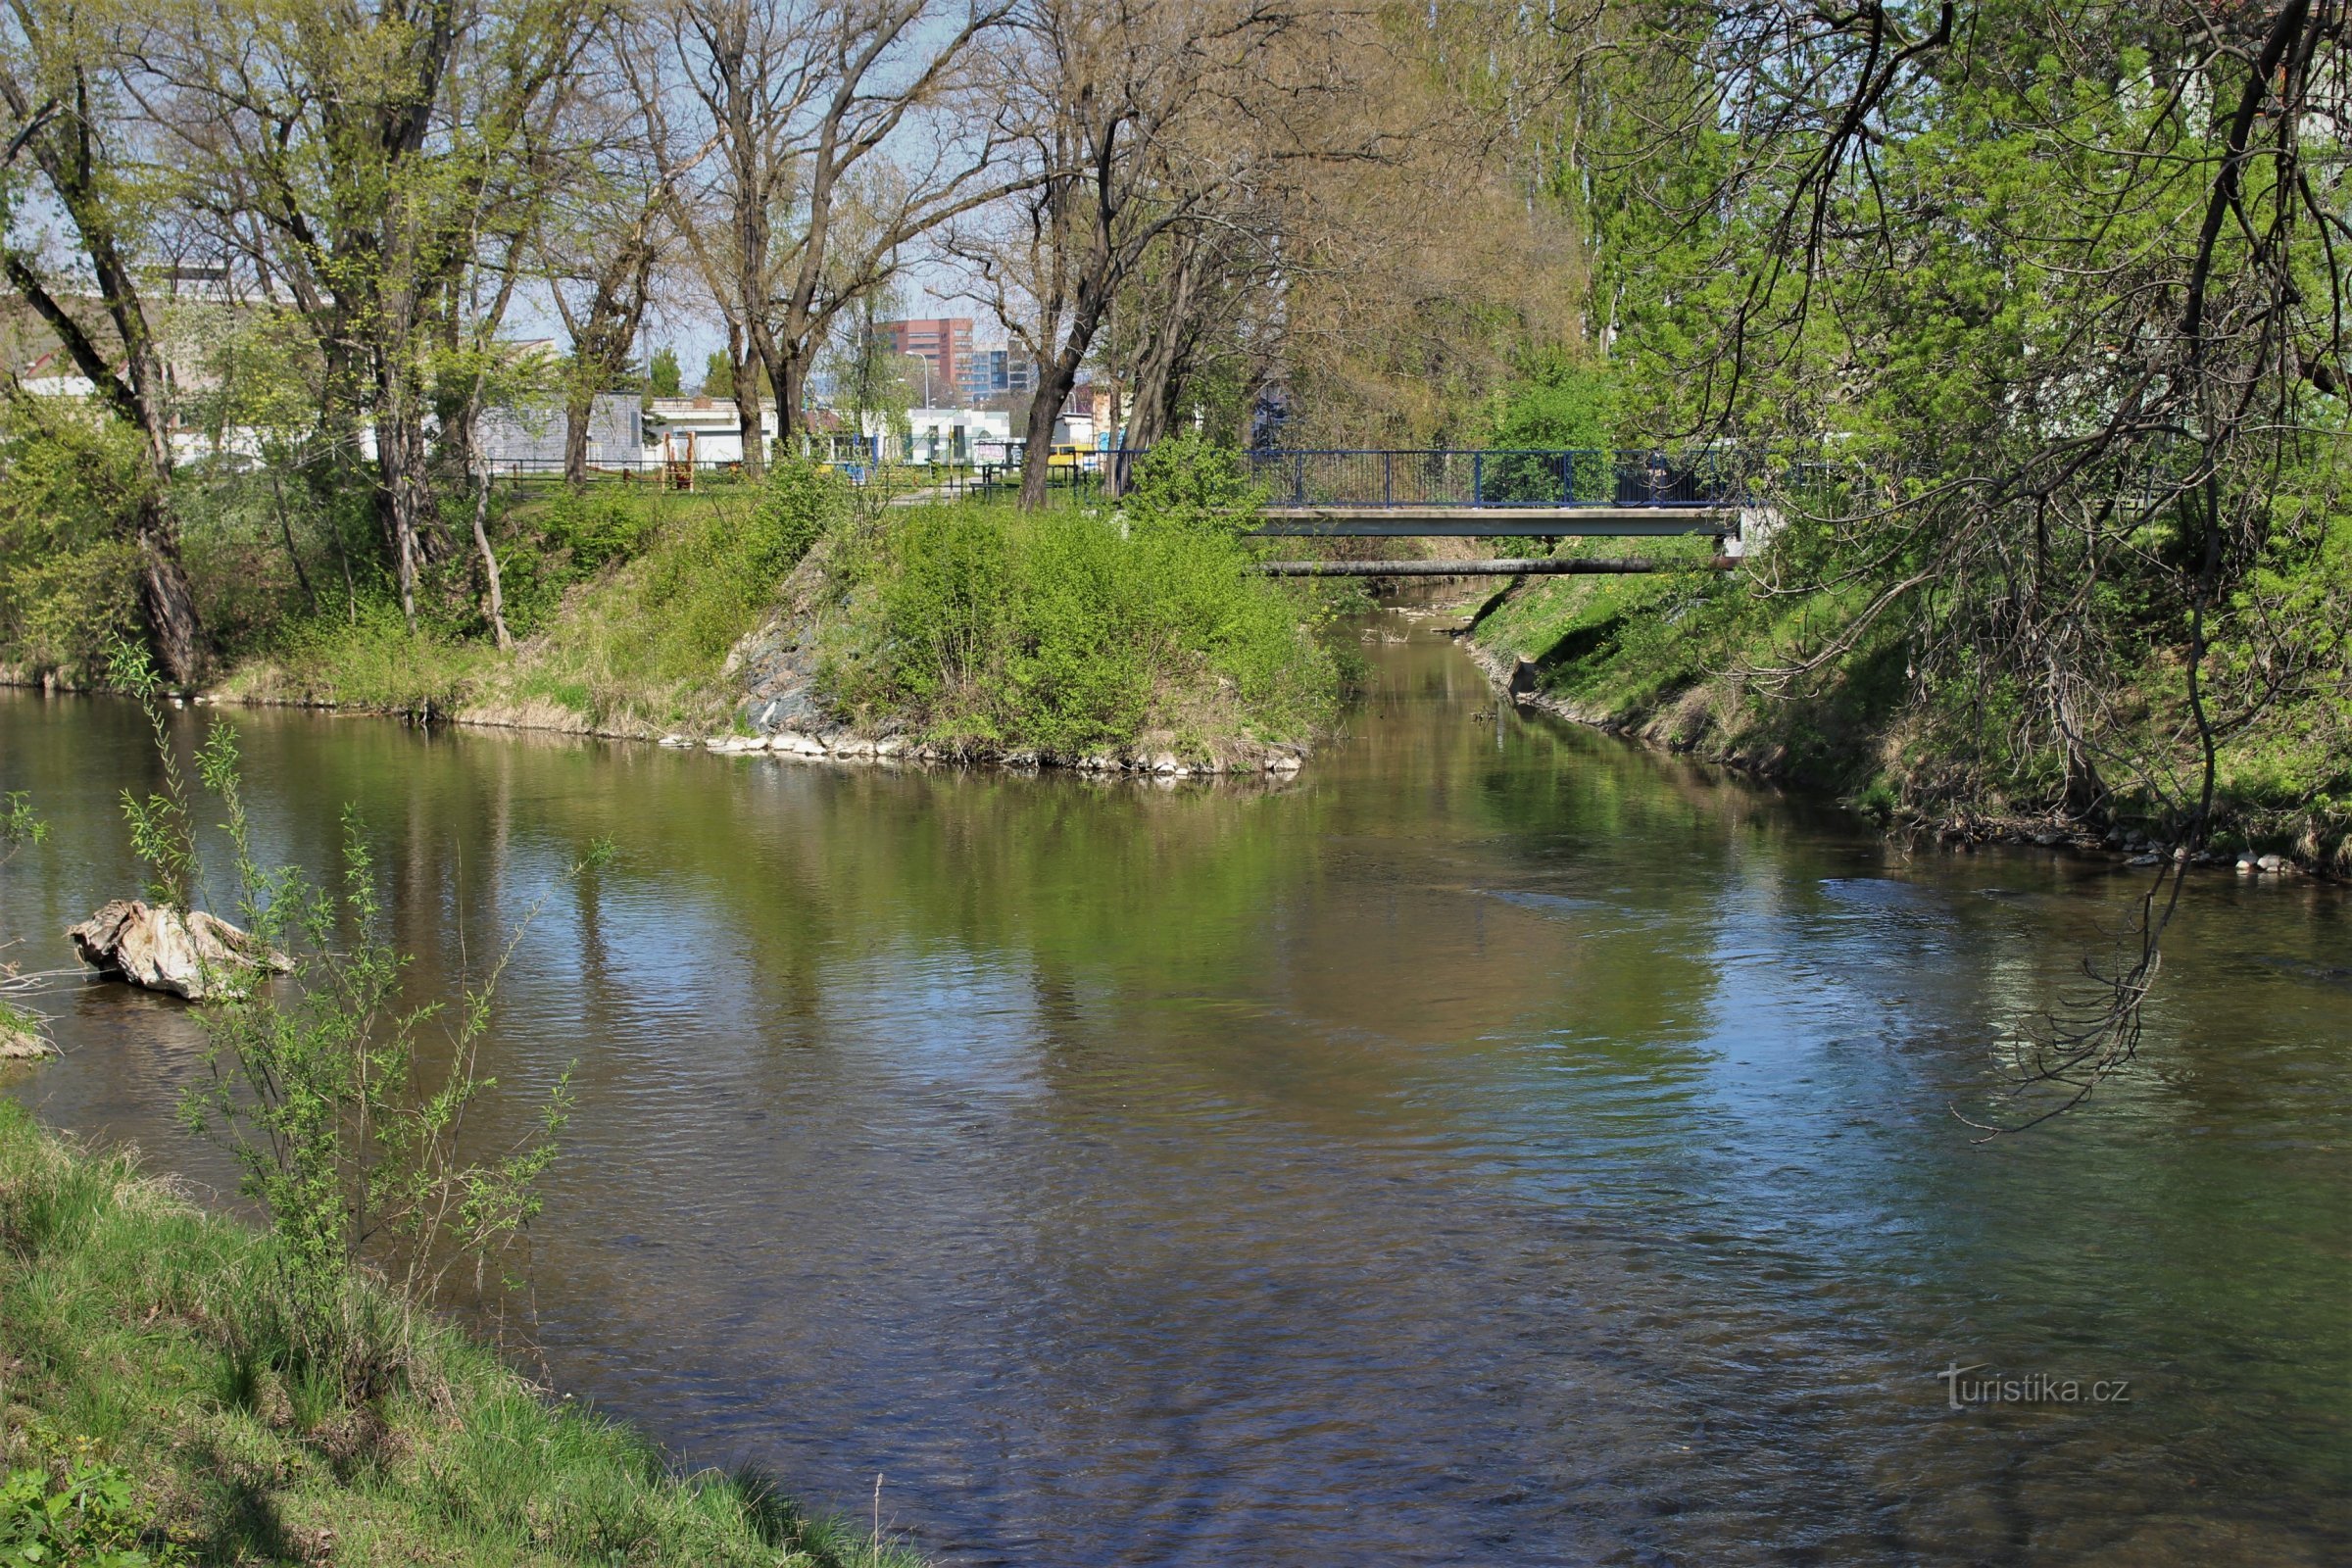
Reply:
x=969, y=628
x=622, y=598
x=1687, y=661
x=142, y=1373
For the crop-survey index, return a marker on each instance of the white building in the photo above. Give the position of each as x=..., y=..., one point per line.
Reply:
x=712, y=425
x=943, y=435
x=531, y=439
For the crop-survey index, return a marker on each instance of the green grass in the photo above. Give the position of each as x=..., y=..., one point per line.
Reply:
x=136, y=1342
x=625, y=598
x=1681, y=659
x=1071, y=632
x=1138, y=627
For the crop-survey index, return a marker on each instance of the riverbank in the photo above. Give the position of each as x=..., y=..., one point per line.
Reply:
x=138, y=1374
x=1671, y=661
x=804, y=617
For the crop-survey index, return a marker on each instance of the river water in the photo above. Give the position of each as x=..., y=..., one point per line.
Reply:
x=1497, y=1146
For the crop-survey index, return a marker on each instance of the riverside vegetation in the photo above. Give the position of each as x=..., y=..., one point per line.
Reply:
x=177, y=1387
x=974, y=628
x=160, y=1406
x=2032, y=329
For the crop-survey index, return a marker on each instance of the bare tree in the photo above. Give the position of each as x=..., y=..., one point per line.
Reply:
x=607, y=236
x=803, y=153
x=1142, y=124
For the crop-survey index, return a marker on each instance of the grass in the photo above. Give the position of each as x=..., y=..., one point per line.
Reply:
x=1138, y=627
x=625, y=600
x=1071, y=632
x=1067, y=632
x=1670, y=658
x=137, y=1351
x=970, y=624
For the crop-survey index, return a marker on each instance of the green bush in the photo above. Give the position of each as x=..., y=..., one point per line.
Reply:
x=68, y=577
x=1069, y=631
x=1555, y=403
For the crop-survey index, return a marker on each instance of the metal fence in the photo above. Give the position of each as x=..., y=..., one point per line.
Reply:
x=1442, y=477
x=1436, y=477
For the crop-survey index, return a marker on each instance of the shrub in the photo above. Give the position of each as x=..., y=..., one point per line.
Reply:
x=1067, y=631
x=66, y=575
x=346, y=1125
x=88, y=1517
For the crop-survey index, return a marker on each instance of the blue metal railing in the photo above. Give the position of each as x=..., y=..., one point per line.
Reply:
x=1440, y=477
x=1445, y=477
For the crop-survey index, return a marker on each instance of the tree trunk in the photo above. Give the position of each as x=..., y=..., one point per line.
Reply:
x=285, y=531
x=792, y=397
x=1037, y=454
x=404, y=503
x=167, y=598
x=747, y=404
x=578, y=408
x=495, y=599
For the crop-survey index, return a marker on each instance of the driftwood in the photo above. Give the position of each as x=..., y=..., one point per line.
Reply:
x=194, y=955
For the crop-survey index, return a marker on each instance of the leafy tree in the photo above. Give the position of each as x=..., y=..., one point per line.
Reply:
x=2054, y=302
x=661, y=373
x=63, y=80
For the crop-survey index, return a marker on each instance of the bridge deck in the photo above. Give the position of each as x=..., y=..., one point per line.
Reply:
x=1488, y=523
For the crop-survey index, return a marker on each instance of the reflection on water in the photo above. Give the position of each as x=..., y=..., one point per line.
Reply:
x=1496, y=1147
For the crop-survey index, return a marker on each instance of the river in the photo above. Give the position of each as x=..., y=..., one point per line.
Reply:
x=1498, y=1144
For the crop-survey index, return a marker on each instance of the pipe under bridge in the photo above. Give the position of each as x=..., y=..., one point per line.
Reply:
x=1440, y=493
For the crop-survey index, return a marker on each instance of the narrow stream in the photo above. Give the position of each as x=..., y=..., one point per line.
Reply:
x=1498, y=1146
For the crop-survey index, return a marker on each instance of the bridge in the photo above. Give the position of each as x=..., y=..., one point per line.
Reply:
x=1507, y=493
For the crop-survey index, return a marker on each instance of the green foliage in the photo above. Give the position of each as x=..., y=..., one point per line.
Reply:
x=569, y=537
x=163, y=825
x=19, y=826
x=661, y=374
x=17, y=823
x=374, y=663
x=718, y=375
x=1986, y=600
x=1556, y=404
x=1557, y=401
x=67, y=580
x=85, y=1519
x=708, y=576
x=1188, y=481
x=1071, y=632
x=318, y=1084
x=137, y=1325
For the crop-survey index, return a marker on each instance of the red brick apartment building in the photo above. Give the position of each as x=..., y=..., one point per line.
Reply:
x=945, y=343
